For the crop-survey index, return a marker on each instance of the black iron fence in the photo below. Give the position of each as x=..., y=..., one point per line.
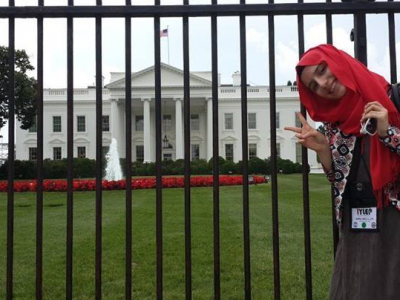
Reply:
x=357, y=8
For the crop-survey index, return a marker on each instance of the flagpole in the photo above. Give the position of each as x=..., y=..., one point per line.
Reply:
x=168, y=42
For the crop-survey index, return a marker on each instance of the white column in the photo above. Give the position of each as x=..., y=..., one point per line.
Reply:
x=114, y=119
x=209, y=129
x=122, y=131
x=146, y=129
x=117, y=126
x=178, y=128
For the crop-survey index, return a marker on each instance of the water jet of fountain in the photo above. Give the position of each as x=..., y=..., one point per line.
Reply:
x=113, y=169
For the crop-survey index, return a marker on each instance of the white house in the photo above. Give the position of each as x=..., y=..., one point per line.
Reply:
x=143, y=119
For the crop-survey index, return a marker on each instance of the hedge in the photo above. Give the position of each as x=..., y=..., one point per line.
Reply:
x=85, y=168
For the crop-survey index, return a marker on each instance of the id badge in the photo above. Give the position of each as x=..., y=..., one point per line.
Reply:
x=364, y=218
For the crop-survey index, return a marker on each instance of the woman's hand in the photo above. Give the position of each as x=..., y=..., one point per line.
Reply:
x=376, y=111
x=309, y=137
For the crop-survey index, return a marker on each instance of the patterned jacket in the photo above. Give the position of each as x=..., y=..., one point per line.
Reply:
x=342, y=148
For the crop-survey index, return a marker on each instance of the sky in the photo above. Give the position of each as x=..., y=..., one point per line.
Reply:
x=113, y=39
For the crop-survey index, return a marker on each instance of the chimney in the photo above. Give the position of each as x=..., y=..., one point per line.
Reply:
x=236, y=78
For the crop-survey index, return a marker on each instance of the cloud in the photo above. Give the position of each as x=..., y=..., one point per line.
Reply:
x=258, y=39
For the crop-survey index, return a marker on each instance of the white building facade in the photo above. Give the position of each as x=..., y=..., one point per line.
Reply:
x=143, y=119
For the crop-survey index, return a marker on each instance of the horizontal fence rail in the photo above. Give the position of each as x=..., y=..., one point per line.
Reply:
x=129, y=11
x=199, y=10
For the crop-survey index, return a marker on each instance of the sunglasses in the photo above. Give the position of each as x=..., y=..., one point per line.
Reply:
x=368, y=127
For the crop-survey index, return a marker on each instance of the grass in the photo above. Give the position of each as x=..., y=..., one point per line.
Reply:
x=144, y=286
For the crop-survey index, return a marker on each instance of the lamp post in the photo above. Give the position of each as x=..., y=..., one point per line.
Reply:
x=165, y=142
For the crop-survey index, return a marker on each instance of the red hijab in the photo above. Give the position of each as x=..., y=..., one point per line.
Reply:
x=363, y=86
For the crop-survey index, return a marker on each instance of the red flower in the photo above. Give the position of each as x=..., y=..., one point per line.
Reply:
x=136, y=183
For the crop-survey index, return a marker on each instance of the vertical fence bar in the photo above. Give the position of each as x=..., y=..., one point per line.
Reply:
x=11, y=154
x=214, y=57
x=70, y=152
x=186, y=118
x=128, y=161
x=335, y=231
x=392, y=46
x=328, y=18
x=306, y=196
x=306, y=214
x=360, y=37
x=39, y=159
x=99, y=164
x=159, y=229
x=245, y=157
x=274, y=168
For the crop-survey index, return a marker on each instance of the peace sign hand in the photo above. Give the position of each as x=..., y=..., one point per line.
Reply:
x=309, y=137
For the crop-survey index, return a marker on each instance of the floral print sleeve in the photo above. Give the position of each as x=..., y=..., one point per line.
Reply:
x=392, y=139
x=330, y=139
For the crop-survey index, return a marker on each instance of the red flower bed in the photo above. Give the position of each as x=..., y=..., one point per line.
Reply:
x=137, y=183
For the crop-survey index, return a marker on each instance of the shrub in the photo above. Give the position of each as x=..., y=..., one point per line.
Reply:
x=221, y=161
x=228, y=167
x=178, y=167
x=149, y=169
x=55, y=169
x=297, y=168
x=257, y=166
x=287, y=167
x=84, y=168
x=199, y=167
x=137, y=168
x=167, y=167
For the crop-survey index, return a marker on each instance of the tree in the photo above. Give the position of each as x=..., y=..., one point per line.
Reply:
x=25, y=89
x=289, y=83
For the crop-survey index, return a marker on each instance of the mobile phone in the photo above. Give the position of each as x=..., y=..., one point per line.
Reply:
x=368, y=127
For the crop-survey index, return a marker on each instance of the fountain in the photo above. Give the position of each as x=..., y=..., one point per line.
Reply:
x=113, y=169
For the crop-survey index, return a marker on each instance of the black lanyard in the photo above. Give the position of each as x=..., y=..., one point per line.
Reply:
x=359, y=190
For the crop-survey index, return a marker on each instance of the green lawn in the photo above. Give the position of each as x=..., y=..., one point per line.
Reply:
x=232, y=276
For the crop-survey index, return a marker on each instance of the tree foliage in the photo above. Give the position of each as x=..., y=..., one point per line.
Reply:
x=25, y=89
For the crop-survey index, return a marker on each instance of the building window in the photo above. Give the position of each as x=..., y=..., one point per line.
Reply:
x=32, y=153
x=278, y=123
x=297, y=120
x=252, y=121
x=167, y=122
x=140, y=153
x=194, y=122
x=195, y=152
x=228, y=121
x=139, y=123
x=167, y=156
x=105, y=123
x=278, y=149
x=33, y=128
x=229, y=152
x=81, y=152
x=81, y=123
x=56, y=123
x=252, y=151
x=298, y=153
x=57, y=153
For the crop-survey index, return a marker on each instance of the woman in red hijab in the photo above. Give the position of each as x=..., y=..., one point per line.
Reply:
x=360, y=153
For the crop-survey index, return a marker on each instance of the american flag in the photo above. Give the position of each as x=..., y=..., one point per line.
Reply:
x=164, y=32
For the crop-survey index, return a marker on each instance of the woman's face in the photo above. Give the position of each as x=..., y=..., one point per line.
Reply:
x=320, y=80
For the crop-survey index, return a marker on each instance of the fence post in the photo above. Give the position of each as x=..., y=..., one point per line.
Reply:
x=360, y=37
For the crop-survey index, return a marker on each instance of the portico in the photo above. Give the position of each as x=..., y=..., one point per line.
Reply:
x=172, y=104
